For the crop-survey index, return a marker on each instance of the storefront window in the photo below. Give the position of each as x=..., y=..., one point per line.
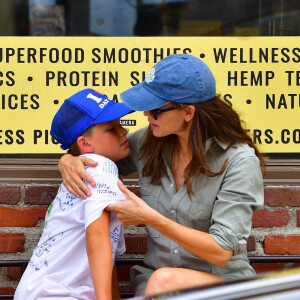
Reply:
x=151, y=18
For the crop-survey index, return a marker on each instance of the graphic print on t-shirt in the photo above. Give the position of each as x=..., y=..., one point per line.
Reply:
x=67, y=201
x=38, y=259
x=114, y=238
x=103, y=188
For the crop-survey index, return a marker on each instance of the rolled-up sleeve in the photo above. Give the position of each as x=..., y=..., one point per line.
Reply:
x=241, y=193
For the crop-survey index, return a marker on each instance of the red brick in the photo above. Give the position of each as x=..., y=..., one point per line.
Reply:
x=282, y=245
x=267, y=267
x=266, y=218
x=21, y=217
x=10, y=194
x=40, y=195
x=12, y=242
x=7, y=291
x=14, y=273
x=298, y=218
x=123, y=272
x=282, y=196
x=136, y=243
x=251, y=243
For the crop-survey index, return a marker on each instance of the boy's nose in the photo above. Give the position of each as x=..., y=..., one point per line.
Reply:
x=123, y=131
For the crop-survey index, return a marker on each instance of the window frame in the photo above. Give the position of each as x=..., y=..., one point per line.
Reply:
x=37, y=170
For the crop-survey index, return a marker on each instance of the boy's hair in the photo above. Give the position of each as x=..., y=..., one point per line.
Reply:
x=81, y=111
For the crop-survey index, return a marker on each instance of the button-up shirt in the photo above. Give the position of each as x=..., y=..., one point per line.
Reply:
x=222, y=206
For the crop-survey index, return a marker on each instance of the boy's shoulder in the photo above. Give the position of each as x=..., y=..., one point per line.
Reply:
x=104, y=165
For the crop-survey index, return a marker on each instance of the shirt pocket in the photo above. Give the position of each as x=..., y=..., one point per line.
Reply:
x=150, y=194
x=200, y=216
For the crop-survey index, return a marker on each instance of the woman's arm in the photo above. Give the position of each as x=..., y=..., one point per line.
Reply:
x=135, y=211
x=75, y=176
x=241, y=192
x=99, y=253
x=72, y=169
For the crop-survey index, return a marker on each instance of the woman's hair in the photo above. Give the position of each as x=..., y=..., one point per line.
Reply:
x=213, y=118
x=73, y=149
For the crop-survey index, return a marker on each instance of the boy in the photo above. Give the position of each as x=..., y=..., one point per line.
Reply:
x=75, y=254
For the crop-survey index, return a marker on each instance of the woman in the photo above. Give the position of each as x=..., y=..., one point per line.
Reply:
x=200, y=179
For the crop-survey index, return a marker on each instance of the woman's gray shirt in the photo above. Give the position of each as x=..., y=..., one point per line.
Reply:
x=222, y=206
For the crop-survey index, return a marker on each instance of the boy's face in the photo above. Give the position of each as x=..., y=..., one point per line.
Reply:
x=109, y=140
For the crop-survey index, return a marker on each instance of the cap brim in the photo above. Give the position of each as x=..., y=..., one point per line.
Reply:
x=139, y=98
x=114, y=112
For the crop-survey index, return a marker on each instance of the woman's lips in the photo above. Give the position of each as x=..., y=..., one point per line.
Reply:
x=153, y=125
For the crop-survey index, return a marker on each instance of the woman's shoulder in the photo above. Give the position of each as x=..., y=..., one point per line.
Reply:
x=235, y=149
x=234, y=153
x=244, y=150
x=241, y=154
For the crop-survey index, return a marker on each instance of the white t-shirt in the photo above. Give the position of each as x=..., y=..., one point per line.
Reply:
x=59, y=266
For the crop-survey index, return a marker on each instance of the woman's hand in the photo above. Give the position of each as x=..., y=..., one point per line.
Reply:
x=133, y=210
x=72, y=169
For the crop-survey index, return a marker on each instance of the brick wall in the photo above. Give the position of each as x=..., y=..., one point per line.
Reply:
x=23, y=206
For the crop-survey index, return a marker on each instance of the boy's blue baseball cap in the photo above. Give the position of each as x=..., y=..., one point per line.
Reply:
x=81, y=111
x=181, y=78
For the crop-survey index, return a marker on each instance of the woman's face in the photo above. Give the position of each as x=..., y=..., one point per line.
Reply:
x=169, y=122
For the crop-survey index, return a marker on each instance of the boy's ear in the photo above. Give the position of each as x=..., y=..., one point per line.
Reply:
x=189, y=113
x=84, y=146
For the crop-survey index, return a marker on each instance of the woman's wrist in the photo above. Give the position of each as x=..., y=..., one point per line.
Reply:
x=63, y=159
x=153, y=218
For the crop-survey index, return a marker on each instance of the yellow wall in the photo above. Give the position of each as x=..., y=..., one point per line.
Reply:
x=259, y=76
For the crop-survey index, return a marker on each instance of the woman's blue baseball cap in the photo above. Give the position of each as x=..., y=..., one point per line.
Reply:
x=81, y=111
x=181, y=78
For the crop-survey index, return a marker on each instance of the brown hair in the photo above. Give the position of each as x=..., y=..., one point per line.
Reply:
x=213, y=118
x=73, y=149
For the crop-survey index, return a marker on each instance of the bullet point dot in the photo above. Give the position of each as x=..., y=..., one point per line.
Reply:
x=55, y=101
x=29, y=78
x=249, y=101
x=202, y=55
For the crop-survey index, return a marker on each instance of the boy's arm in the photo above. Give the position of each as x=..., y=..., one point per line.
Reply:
x=115, y=284
x=99, y=253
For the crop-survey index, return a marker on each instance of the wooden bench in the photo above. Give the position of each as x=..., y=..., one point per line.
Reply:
x=128, y=262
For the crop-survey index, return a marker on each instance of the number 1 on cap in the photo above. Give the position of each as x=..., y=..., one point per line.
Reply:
x=98, y=100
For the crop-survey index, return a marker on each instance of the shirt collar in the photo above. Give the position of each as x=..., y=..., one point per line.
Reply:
x=211, y=140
